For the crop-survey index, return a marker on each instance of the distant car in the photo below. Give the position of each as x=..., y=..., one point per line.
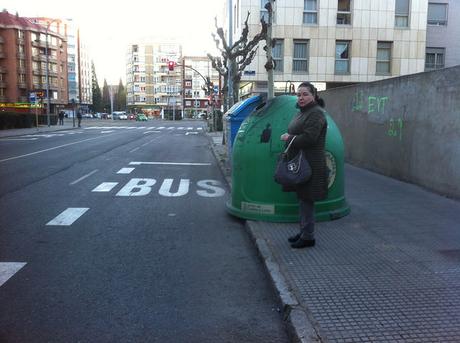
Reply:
x=123, y=117
x=141, y=117
x=131, y=116
x=87, y=115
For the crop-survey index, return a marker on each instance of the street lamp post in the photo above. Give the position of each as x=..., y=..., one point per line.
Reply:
x=47, y=73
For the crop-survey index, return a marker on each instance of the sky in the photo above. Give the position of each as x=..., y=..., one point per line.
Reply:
x=109, y=26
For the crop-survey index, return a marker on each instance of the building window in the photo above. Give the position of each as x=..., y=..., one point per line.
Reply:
x=310, y=12
x=344, y=12
x=434, y=58
x=342, y=57
x=264, y=12
x=300, y=59
x=437, y=14
x=402, y=13
x=277, y=54
x=383, y=58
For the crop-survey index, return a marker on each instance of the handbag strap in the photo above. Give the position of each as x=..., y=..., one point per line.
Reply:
x=289, y=145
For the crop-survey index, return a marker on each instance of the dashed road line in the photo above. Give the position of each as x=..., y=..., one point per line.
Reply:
x=68, y=217
x=8, y=269
x=125, y=170
x=105, y=187
x=83, y=177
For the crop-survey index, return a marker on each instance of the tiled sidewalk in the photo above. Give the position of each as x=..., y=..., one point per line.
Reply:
x=388, y=272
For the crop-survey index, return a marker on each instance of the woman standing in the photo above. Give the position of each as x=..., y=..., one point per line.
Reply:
x=309, y=128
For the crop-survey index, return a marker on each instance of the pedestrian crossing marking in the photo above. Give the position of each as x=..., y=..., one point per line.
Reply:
x=68, y=217
x=105, y=187
x=8, y=269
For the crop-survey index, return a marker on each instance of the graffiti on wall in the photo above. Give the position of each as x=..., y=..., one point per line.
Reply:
x=374, y=106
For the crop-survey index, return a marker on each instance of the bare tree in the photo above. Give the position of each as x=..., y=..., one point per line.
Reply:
x=236, y=57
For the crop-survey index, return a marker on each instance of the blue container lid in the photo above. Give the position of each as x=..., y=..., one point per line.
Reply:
x=237, y=108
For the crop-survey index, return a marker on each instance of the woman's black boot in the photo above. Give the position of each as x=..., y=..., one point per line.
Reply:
x=293, y=239
x=303, y=243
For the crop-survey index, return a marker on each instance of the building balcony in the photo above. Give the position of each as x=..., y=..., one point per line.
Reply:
x=21, y=55
x=22, y=85
x=2, y=69
x=2, y=84
x=3, y=98
x=2, y=54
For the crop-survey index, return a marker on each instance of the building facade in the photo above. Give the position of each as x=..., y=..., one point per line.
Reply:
x=151, y=86
x=195, y=71
x=80, y=89
x=334, y=42
x=33, y=58
x=443, y=32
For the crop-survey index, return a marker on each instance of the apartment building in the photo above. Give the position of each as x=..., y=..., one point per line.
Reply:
x=334, y=42
x=443, y=32
x=150, y=85
x=25, y=49
x=80, y=90
x=195, y=71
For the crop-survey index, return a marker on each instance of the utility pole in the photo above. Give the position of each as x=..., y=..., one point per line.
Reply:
x=270, y=63
x=229, y=61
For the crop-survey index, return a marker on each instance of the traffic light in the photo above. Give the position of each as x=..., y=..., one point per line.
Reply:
x=171, y=65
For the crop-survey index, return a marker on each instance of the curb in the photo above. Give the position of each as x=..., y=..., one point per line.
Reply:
x=299, y=326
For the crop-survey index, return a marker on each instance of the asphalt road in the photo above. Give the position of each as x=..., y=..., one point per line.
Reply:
x=120, y=234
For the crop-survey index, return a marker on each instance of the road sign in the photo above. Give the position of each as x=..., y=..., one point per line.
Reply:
x=32, y=97
x=216, y=89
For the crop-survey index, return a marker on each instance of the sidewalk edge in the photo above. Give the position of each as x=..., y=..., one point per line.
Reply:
x=298, y=324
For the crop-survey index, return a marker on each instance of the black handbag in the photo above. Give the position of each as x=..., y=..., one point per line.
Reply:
x=294, y=171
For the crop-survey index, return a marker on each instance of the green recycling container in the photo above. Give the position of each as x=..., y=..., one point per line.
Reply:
x=255, y=195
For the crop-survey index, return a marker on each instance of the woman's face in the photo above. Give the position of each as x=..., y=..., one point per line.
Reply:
x=304, y=97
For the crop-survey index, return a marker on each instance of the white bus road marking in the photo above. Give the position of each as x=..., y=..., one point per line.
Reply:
x=125, y=170
x=170, y=163
x=137, y=148
x=171, y=188
x=53, y=148
x=83, y=177
x=191, y=133
x=109, y=131
x=68, y=217
x=8, y=269
x=105, y=187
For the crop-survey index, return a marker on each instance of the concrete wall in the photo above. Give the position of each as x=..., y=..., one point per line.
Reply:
x=406, y=127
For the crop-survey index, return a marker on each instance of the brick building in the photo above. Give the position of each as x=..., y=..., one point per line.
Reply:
x=24, y=52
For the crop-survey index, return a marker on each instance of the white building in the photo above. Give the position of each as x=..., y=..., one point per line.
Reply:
x=443, y=32
x=195, y=70
x=150, y=85
x=336, y=42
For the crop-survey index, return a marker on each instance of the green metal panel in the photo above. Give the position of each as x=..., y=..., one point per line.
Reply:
x=255, y=195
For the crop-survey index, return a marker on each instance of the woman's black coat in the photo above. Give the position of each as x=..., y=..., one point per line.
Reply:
x=310, y=127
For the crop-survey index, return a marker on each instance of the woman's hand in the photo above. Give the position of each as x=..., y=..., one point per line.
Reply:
x=285, y=137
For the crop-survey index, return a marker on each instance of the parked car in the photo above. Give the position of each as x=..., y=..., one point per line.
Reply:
x=131, y=116
x=141, y=117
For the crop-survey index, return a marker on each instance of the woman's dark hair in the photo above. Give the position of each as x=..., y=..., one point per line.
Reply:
x=313, y=92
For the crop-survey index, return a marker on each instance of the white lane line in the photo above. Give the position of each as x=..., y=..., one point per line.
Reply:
x=171, y=163
x=8, y=269
x=18, y=139
x=125, y=170
x=83, y=177
x=68, y=217
x=53, y=148
x=134, y=149
x=191, y=133
x=107, y=131
x=105, y=187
